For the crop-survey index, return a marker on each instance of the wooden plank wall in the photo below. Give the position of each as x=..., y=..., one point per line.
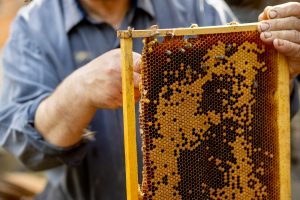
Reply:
x=8, y=9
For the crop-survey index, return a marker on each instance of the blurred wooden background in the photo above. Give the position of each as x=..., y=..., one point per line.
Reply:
x=8, y=9
x=15, y=182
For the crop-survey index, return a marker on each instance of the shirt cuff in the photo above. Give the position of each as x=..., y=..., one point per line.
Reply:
x=71, y=156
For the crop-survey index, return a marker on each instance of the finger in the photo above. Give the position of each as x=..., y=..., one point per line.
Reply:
x=287, y=48
x=261, y=17
x=136, y=80
x=264, y=14
x=289, y=35
x=288, y=23
x=136, y=62
x=284, y=10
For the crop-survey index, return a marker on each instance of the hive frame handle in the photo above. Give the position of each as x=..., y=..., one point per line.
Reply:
x=129, y=119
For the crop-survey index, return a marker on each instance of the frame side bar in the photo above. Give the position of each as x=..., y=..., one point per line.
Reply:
x=283, y=97
x=129, y=120
x=187, y=31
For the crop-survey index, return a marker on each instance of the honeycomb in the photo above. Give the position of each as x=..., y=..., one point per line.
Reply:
x=208, y=118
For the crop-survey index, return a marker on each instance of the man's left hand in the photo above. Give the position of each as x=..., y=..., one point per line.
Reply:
x=280, y=25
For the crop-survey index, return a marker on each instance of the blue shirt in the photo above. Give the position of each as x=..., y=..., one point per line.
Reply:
x=49, y=40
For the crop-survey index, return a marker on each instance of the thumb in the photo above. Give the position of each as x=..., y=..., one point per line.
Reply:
x=136, y=79
x=136, y=62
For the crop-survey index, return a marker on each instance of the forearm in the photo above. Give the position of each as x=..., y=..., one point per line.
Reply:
x=63, y=116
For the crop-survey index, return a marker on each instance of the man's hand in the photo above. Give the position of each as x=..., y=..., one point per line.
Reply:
x=101, y=81
x=62, y=117
x=280, y=25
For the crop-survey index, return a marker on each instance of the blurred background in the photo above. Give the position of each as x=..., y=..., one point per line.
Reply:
x=16, y=182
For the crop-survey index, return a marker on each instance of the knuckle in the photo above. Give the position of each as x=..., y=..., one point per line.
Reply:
x=113, y=71
x=292, y=21
x=267, y=8
x=296, y=4
x=293, y=50
x=110, y=71
x=287, y=48
x=274, y=24
x=296, y=23
x=296, y=36
x=297, y=51
x=293, y=18
x=285, y=21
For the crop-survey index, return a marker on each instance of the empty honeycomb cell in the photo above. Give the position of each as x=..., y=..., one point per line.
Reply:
x=208, y=118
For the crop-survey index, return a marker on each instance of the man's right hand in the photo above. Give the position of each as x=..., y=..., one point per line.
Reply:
x=101, y=80
x=62, y=117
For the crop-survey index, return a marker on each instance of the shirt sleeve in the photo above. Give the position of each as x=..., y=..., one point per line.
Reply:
x=29, y=78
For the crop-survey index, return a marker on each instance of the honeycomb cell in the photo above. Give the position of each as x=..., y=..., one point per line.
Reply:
x=208, y=118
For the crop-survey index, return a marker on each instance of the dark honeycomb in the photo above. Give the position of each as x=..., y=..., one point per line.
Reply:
x=208, y=118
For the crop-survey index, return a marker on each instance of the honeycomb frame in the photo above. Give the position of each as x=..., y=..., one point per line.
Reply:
x=279, y=96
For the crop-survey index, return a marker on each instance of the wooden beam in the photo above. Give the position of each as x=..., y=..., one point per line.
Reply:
x=129, y=120
x=283, y=99
x=187, y=31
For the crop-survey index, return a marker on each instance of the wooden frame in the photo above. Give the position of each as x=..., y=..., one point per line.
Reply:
x=130, y=33
x=129, y=120
x=282, y=97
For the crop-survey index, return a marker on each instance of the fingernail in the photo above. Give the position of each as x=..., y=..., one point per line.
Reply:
x=280, y=42
x=267, y=35
x=272, y=14
x=264, y=26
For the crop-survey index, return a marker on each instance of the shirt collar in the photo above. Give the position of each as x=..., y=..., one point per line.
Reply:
x=146, y=5
x=73, y=12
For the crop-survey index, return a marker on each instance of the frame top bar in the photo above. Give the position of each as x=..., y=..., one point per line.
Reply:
x=193, y=30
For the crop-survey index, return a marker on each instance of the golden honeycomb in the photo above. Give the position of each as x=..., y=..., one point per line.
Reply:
x=208, y=118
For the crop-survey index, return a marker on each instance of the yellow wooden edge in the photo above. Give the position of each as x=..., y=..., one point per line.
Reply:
x=283, y=99
x=129, y=120
x=187, y=31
